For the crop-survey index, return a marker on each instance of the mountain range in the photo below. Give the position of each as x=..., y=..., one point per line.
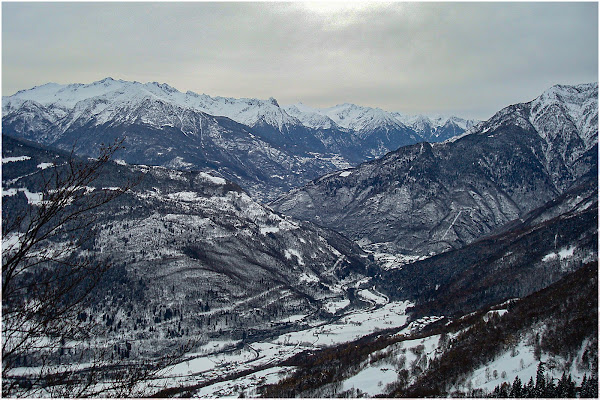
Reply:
x=195, y=244
x=429, y=198
x=457, y=234
x=265, y=148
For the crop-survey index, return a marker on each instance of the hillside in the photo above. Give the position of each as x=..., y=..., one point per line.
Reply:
x=255, y=143
x=429, y=198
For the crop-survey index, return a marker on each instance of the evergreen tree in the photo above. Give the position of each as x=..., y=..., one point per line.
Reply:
x=550, y=390
x=517, y=388
x=540, y=381
x=530, y=389
x=589, y=388
x=562, y=387
x=571, y=389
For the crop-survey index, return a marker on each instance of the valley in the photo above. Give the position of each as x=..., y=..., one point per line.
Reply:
x=258, y=250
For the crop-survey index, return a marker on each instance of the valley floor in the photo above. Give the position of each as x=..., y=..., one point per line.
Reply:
x=231, y=368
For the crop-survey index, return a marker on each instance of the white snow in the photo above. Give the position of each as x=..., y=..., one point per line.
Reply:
x=491, y=313
x=184, y=196
x=45, y=165
x=370, y=296
x=247, y=385
x=345, y=173
x=15, y=159
x=107, y=99
x=566, y=253
x=9, y=192
x=288, y=253
x=268, y=229
x=334, y=305
x=32, y=198
x=214, y=179
x=372, y=380
x=350, y=327
x=309, y=278
x=520, y=361
x=563, y=253
x=10, y=241
x=420, y=323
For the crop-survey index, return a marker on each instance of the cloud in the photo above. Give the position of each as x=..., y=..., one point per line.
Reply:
x=466, y=58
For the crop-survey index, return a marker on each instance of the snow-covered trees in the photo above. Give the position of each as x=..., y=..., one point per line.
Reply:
x=48, y=271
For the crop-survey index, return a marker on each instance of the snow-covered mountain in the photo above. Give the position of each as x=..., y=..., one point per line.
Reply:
x=113, y=101
x=427, y=198
x=365, y=120
x=510, y=205
x=265, y=148
x=195, y=244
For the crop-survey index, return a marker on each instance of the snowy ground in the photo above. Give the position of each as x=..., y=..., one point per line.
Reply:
x=372, y=380
x=349, y=327
x=203, y=367
x=246, y=385
x=386, y=260
x=520, y=362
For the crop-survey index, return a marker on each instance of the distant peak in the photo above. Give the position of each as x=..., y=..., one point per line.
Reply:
x=273, y=101
x=164, y=86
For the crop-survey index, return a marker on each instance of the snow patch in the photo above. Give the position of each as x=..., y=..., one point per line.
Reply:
x=420, y=323
x=15, y=159
x=566, y=253
x=293, y=252
x=32, y=198
x=350, y=327
x=492, y=313
x=335, y=305
x=370, y=296
x=268, y=229
x=345, y=173
x=183, y=196
x=45, y=165
x=372, y=380
x=214, y=179
x=563, y=254
x=304, y=277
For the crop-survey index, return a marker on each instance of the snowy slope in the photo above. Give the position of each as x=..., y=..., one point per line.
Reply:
x=102, y=98
x=428, y=198
x=196, y=243
x=360, y=119
x=311, y=117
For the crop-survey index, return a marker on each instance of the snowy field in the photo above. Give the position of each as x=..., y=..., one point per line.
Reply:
x=210, y=364
x=520, y=362
x=372, y=380
x=349, y=327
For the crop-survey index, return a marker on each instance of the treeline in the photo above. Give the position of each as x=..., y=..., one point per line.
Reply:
x=567, y=309
x=565, y=387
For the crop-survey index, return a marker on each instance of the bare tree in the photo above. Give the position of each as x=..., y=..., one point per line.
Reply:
x=48, y=270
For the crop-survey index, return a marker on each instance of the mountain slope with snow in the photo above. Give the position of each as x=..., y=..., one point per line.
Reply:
x=266, y=148
x=195, y=244
x=429, y=198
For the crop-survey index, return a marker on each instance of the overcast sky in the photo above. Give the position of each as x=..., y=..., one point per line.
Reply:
x=468, y=59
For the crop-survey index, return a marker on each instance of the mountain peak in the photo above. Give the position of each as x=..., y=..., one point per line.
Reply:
x=273, y=101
